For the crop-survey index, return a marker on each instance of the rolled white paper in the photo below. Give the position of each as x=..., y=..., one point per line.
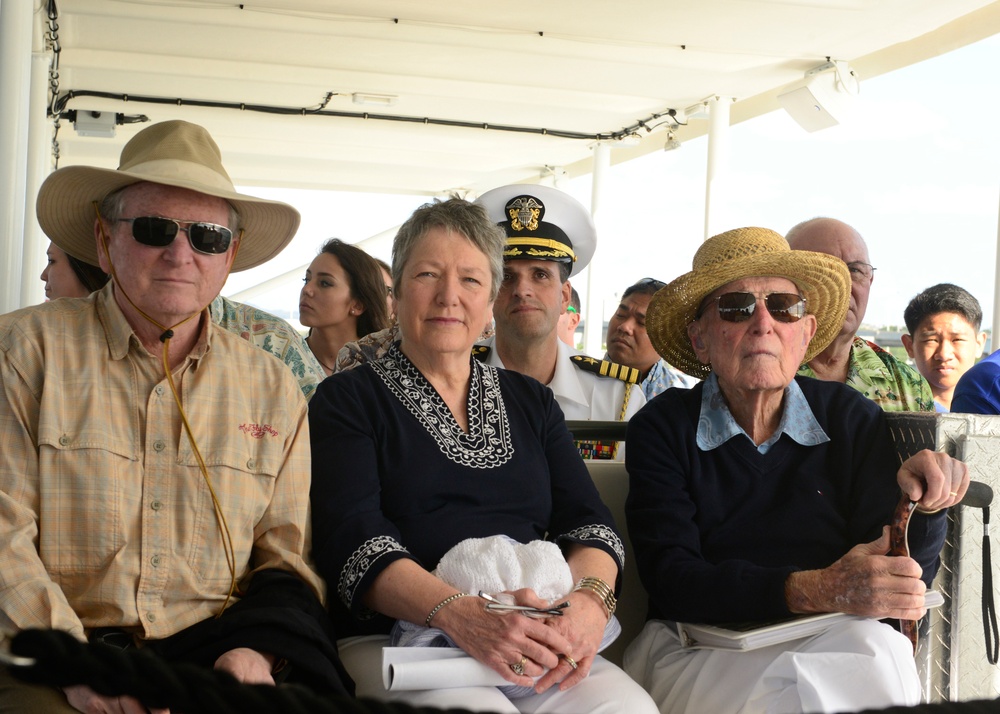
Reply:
x=406, y=668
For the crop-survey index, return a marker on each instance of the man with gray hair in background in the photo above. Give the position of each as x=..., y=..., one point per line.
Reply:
x=857, y=362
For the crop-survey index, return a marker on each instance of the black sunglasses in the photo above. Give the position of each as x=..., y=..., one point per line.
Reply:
x=739, y=307
x=207, y=238
x=650, y=281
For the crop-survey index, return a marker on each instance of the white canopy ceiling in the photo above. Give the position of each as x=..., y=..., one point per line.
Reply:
x=460, y=71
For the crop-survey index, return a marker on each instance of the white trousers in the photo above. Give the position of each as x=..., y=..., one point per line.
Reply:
x=606, y=690
x=854, y=665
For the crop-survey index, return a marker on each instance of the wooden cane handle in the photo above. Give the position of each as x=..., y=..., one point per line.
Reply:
x=898, y=546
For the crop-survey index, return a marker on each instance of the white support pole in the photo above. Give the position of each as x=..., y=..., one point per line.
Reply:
x=718, y=162
x=593, y=313
x=995, y=334
x=37, y=168
x=15, y=72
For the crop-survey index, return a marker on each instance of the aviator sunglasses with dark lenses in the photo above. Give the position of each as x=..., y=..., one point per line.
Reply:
x=739, y=307
x=208, y=238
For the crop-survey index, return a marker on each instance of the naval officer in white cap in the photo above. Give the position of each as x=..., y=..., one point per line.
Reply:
x=550, y=236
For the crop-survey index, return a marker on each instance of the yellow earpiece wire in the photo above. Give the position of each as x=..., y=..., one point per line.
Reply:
x=168, y=332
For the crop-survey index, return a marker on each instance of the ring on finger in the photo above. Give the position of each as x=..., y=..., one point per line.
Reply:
x=569, y=660
x=518, y=668
x=953, y=493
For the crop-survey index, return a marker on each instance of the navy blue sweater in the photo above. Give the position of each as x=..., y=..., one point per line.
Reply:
x=717, y=533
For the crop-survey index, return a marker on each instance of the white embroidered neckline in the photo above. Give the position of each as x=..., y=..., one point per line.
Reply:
x=487, y=443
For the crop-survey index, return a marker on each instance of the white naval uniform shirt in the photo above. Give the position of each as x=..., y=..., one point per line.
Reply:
x=581, y=394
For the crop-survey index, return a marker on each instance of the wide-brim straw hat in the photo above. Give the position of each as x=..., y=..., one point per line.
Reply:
x=822, y=279
x=171, y=153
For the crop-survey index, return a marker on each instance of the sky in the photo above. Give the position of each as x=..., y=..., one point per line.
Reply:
x=916, y=170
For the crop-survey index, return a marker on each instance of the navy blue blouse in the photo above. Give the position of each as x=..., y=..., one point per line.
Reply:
x=394, y=476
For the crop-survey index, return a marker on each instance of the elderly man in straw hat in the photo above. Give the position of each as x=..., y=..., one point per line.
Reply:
x=154, y=468
x=758, y=495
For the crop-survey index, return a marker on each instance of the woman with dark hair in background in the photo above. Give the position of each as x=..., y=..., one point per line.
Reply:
x=66, y=276
x=343, y=298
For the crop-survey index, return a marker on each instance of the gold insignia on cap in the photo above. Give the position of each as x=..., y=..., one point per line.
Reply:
x=480, y=352
x=536, y=248
x=525, y=212
x=547, y=254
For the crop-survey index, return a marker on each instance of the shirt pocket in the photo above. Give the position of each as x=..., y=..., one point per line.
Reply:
x=243, y=474
x=88, y=482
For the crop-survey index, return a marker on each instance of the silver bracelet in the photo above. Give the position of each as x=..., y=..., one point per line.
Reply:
x=432, y=613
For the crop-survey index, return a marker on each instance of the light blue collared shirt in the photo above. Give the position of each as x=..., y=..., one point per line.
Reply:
x=716, y=424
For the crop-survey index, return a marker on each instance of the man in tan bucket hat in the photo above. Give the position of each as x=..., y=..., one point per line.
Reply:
x=154, y=468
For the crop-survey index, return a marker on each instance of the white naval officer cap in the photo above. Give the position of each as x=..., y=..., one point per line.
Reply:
x=542, y=223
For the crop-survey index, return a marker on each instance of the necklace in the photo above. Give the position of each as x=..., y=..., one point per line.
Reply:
x=322, y=364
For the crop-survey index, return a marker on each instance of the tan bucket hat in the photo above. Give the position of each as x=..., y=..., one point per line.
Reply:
x=822, y=279
x=171, y=153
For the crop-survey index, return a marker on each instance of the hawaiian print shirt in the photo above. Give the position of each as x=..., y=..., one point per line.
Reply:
x=893, y=385
x=271, y=334
x=367, y=349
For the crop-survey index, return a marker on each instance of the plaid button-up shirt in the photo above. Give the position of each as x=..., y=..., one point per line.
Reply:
x=105, y=518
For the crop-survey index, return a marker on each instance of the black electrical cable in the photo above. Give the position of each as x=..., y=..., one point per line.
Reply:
x=59, y=107
x=990, y=630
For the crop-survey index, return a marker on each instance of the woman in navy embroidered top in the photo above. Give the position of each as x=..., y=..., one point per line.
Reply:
x=758, y=495
x=426, y=447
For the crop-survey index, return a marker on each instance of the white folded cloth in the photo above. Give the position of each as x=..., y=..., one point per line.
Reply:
x=498, y=564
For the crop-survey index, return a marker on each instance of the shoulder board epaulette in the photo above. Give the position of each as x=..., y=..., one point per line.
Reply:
x=480, y=352
x=606, y=368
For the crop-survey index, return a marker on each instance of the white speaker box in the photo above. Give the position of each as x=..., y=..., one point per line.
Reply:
x=819, y=101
